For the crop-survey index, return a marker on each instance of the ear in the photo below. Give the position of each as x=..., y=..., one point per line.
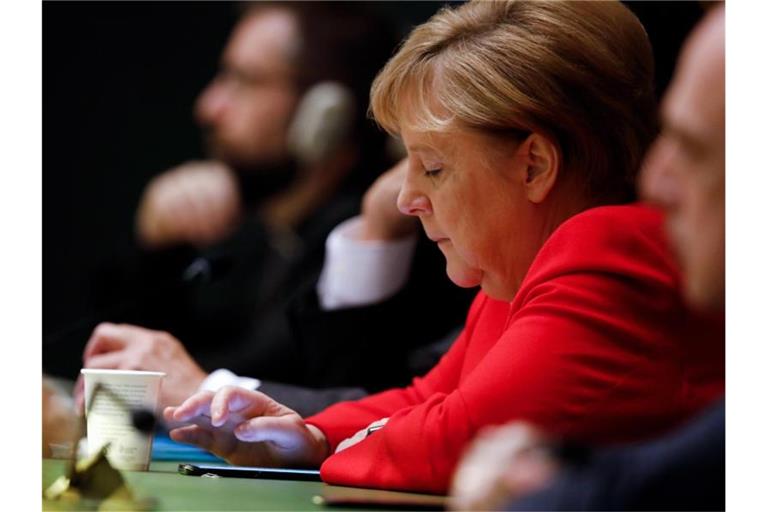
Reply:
x=542, y=164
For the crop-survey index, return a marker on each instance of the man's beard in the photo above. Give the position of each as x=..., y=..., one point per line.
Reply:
x=257, y=180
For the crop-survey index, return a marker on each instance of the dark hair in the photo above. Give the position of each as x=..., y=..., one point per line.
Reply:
x=343, y=42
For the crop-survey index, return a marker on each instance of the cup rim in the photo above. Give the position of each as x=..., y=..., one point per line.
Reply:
x=141, y=373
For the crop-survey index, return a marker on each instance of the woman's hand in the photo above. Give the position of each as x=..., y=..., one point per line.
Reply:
x=382, y=220
x=247, y=428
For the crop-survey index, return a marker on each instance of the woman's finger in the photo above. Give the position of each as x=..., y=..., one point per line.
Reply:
x=231, y=399
x=279, y=430
x=198, y=404
x=193, y=434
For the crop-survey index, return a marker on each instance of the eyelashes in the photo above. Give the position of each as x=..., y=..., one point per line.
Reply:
x=432, y=173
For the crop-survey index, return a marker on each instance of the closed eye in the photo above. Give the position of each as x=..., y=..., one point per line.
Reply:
x=432, y=173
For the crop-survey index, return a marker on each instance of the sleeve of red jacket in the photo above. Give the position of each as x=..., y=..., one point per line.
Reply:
x=582, y=357
x=344, y=419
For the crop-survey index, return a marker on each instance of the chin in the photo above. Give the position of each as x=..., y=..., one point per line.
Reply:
x=463, y=279
x=459, y=272
x=465, y=283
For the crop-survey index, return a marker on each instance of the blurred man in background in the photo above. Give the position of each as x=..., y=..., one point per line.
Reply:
x=684, y=174
x=244, y=234
x=228, y=241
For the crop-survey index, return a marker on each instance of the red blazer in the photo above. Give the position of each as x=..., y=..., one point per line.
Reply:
x=596, y=345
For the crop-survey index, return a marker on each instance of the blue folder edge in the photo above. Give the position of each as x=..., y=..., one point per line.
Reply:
x=164, y=448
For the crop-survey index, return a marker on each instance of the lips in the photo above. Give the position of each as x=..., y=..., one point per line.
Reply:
x=432, y=233
x=437, y=239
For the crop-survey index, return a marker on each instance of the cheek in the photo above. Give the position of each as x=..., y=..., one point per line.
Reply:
x=462, y=219
x=495, y=233
x=265, y=113
x=704, y=272
x=707, y=226
x=697, y=230
x=465, y=239
x=702, y=210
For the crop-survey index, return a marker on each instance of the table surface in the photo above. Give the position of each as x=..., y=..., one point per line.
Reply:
x=172, y=491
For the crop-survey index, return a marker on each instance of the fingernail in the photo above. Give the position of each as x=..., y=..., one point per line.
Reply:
x=242, y=433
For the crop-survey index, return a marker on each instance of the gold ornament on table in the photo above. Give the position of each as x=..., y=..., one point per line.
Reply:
x=93, y=483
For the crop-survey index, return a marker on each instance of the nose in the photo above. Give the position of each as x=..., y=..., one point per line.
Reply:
x=412, y=202
x=658, y=180
x=211, y=104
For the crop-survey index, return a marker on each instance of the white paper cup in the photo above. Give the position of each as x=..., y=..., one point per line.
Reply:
x=108, y=414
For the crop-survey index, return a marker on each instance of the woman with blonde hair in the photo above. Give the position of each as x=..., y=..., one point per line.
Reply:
x=525, y=123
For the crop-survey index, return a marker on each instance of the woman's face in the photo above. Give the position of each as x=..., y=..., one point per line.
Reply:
x=469, y=191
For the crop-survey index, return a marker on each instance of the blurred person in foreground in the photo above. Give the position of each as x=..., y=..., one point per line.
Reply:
x=684, y=174
x=245, y=232
x=60, y=424
x=525, y=123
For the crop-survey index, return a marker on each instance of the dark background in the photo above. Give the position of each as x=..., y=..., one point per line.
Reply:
x=119, y=81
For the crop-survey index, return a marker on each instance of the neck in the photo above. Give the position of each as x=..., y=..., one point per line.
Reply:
x=543, y=219
x=564, y=203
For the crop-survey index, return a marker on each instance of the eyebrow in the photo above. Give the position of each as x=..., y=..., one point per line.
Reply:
x=423, y=147
x=420, y=147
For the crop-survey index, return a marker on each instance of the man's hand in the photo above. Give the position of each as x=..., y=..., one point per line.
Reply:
x=247, y=427
x=196, y=203
x=127, y=347
x=502, y=465
x=381, y=218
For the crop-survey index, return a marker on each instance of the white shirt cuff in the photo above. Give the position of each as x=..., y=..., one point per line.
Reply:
x=222, y=377
x=361, y=272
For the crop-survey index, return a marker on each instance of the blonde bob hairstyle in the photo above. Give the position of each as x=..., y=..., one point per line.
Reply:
x=579, y=73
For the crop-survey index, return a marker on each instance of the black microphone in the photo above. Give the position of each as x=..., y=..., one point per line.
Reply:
x=142, y=418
